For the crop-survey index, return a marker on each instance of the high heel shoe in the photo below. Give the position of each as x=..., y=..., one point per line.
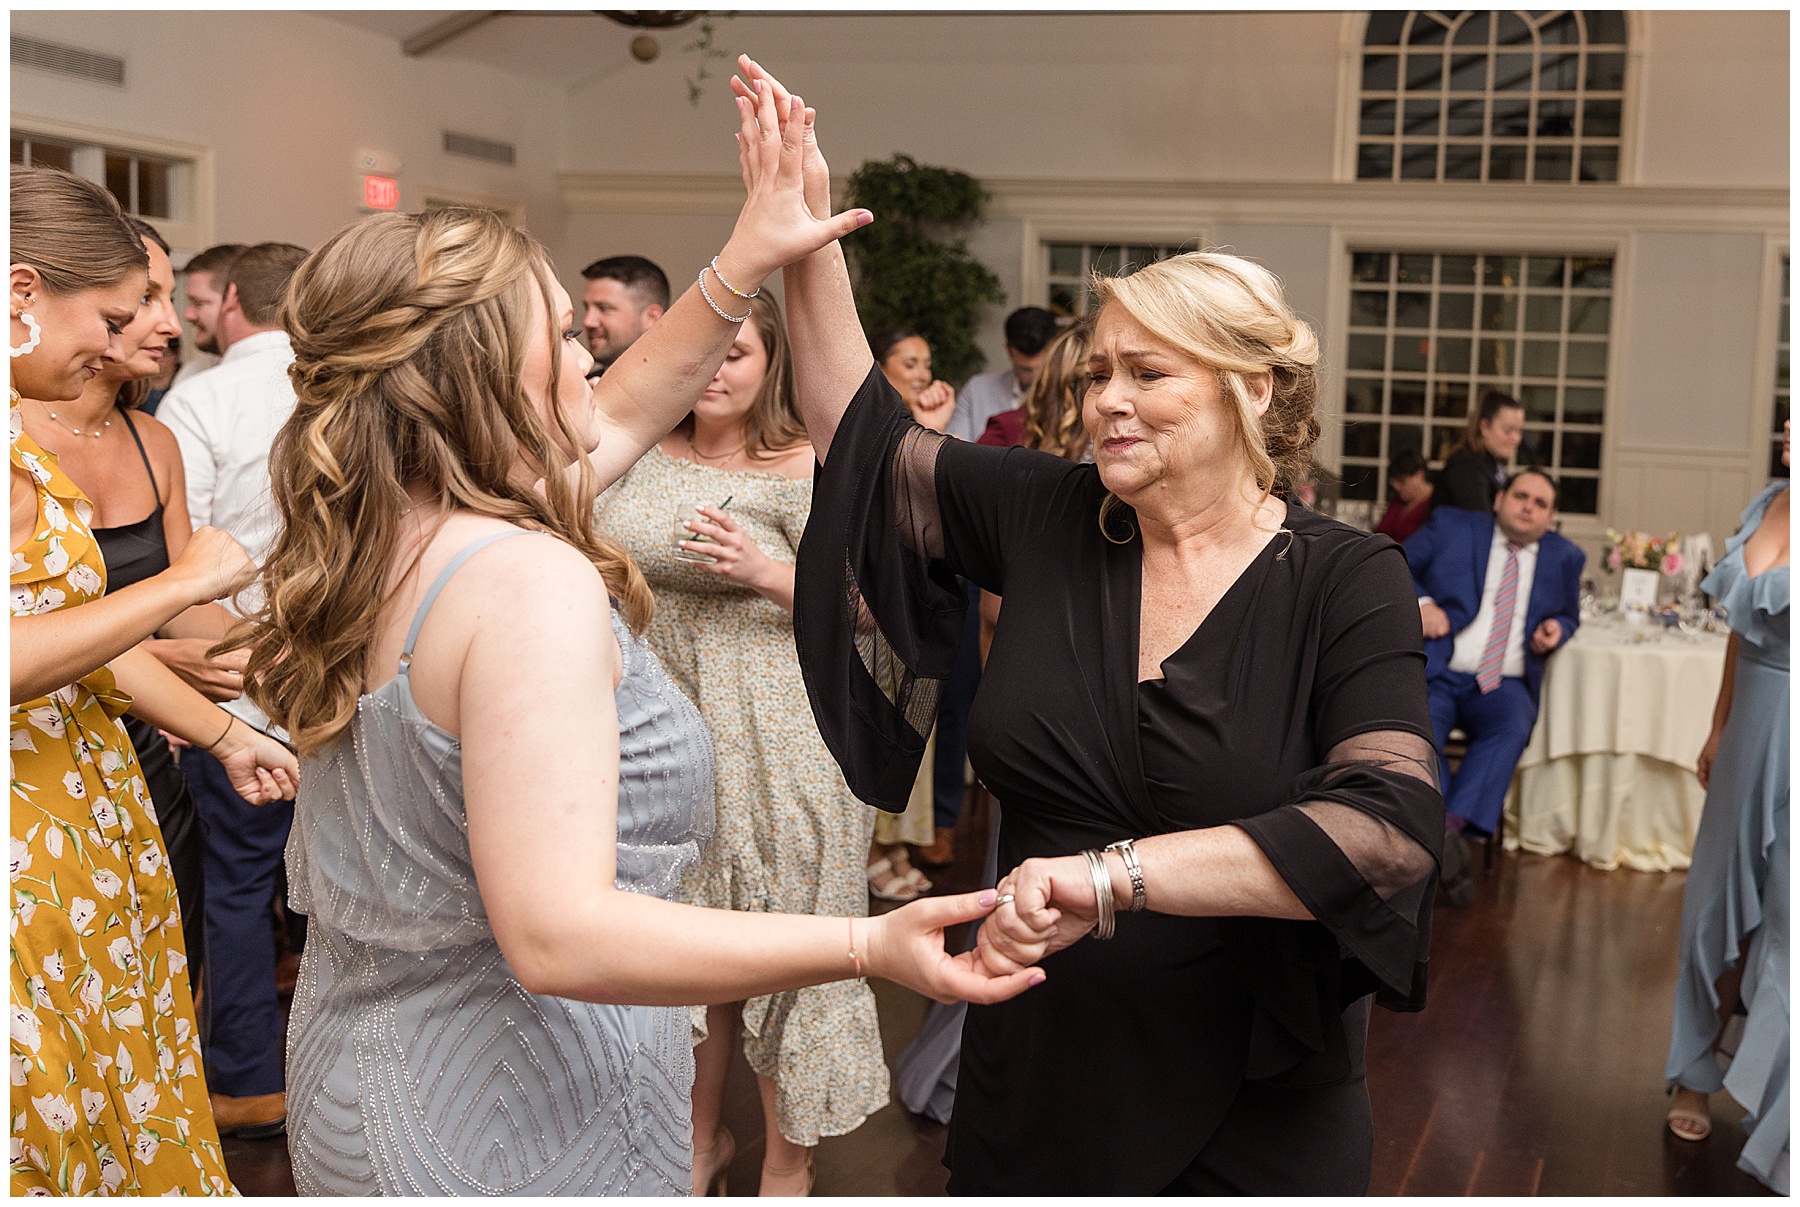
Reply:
x=812, y=1175
x=714, y=1181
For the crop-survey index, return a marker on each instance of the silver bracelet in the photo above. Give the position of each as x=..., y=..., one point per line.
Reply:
x=1128, y=852
x=707, y=294
x=736, y=292
x=1103, y=894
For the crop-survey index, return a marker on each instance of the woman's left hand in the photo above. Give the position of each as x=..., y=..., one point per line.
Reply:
x=934, y=406
x=1052, y=906
x=735, y=556
x=260, y=768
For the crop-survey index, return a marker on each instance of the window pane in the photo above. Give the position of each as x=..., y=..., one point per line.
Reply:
x=1368, y=352
x=1406, y=398
x=1557, y=72
x=1583, y=404
x=1427, y=30
x=1462, y=161
x=1444, y=439
x=1512, y=73
x=1465, y=118
x=1560, y=31
x=1063, y=303
x=1591, y=272
x=1580, y=450
x=1512, y=119
x=1606, y=73
x=1424, y=72
x=52, y=155
x=1139, y=257
x=1590, y=316
x=1419, y=162
x=1500, y=272
x=1384, y=27
x=18, y=150
x=1106, y=261
x=1362, y=439
x=1380, y=72
x=1375, y=161
x=1510, y=29
x=1456, y=311
x=1065, y=259
x=1556, y=119
x=1499, y=312
x=1540, y=403
x=118, y=178
x=1537, y=447
x=1605, y=27
x=1600, y=163
x=1474, y=31
x=1405, y=436
x=1362, y=396
x=1496, y=358
x=1415, y=270
x=1456, y=270
x=1600, y=119
x=1539, y=358
x=1450, y=399
x=1543, y=313
x=1412, y=309
x=1580, y=496
x=153, y=188
x=1546, y=272
x=1453, y=355
x=1368, y=308
x=1468, y=72
x=1378, y=118
x=1553, y=164
x=1422, y=116
x=1409, y=353
x=1369, y=266
x=1587, y=360
x=1360, y=482
x=1506, y=162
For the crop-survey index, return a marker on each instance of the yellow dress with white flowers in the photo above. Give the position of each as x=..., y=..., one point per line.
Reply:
x=107, y=1092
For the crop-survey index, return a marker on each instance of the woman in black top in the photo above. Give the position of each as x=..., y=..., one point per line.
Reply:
x=1183, y=659
x=1473, y=474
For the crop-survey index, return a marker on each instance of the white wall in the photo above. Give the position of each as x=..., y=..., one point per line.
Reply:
x=285, y=100
x=1715, y=98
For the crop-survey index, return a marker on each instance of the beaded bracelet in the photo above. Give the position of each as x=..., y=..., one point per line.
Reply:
x=736, y=292
x=1128, y=852
x=707, y=294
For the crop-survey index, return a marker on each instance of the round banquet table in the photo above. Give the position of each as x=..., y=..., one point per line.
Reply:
x=1609, y=772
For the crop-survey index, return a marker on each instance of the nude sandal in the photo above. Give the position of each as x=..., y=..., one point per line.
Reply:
x=1687, y=1124
x=895, y=886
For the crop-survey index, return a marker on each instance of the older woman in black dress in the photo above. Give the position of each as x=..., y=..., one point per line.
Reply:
x=1184, y=661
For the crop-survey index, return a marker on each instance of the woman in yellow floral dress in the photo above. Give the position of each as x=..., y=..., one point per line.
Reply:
x=107, y=1093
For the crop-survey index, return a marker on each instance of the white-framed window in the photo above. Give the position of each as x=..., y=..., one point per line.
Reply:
x=1514, y=95
x=1070, y=268
x=1776, y=468
x=1431, y=332
x=147, y=185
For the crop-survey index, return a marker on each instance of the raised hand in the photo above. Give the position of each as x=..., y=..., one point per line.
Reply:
x=907, y=946
x=776, y=227
x=934, y=406
x=815, y=173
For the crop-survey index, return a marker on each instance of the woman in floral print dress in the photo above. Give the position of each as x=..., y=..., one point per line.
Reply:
x=107, y=1093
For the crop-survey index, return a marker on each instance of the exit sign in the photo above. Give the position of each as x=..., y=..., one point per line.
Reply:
x=381, y=192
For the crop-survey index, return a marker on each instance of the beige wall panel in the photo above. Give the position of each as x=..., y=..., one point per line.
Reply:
x=1715, y=107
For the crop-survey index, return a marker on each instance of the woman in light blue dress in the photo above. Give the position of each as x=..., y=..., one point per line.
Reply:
x=1734, y=914
x=501, y=787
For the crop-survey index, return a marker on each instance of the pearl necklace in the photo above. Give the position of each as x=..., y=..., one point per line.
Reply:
x=96, y=433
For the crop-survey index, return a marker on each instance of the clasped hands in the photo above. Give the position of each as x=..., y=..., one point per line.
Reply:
x=1044, y=906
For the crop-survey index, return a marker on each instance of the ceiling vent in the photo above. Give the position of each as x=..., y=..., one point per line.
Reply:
x=67, y=60
x=478, y=148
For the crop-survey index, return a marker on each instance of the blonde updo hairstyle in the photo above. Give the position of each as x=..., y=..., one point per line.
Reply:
x=410, y=334
x=1229, y=314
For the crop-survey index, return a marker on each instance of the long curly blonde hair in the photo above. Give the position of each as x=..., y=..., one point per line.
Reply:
x=410, y=334
x=1053, y=406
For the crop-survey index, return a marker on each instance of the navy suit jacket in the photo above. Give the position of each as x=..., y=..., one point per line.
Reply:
x=1449, y=562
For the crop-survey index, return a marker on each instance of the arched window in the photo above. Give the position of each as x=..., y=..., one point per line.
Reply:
x=1526, y=96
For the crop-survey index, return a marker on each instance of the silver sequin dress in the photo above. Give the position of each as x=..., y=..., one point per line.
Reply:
x=417, y=1064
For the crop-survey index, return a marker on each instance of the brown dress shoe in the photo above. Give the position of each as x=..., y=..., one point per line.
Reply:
x=941, y=851
x=257, y=1117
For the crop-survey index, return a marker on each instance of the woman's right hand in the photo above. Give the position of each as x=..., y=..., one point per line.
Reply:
x=907, y=947
x=213, y=565
x=1708, y=753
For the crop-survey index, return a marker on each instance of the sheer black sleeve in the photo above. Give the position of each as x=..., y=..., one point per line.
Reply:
x=1360, y=839
x=898, y=513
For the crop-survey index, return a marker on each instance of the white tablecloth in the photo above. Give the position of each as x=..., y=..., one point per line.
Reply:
x=1609, y=772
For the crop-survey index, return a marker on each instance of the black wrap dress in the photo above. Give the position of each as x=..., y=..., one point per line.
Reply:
x=1186, y=1054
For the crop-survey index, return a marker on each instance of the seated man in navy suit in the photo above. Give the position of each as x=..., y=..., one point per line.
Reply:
x=1497, y=595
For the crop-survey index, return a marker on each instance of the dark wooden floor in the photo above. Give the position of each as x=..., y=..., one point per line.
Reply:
x=1535, y=1070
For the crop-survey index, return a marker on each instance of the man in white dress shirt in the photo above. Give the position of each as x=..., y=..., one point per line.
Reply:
x=203, y=281
x=1029, y=331
x=1498, y=594
x=226, y=420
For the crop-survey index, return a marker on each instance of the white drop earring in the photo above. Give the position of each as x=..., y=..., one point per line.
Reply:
x=30, y=345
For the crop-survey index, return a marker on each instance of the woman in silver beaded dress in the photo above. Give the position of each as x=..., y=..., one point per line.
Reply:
x=501, y=796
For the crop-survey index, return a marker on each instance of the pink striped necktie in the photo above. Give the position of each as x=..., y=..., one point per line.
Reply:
x=1487, y=676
